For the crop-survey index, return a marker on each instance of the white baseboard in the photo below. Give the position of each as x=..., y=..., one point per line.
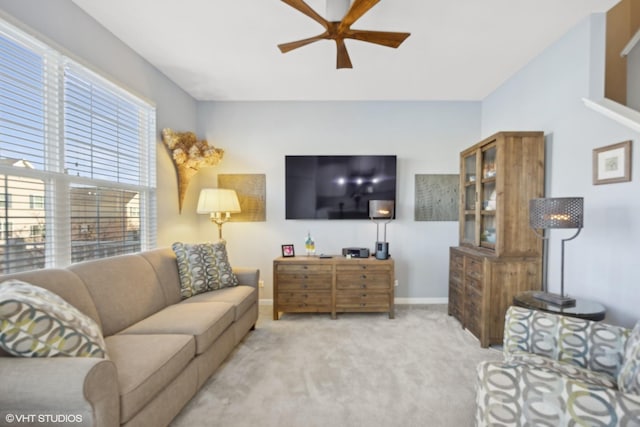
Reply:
x=409, y=301
x=399, y=301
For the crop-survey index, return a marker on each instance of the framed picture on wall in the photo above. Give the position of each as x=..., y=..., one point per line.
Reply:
x=288, y=251
x=612, y=163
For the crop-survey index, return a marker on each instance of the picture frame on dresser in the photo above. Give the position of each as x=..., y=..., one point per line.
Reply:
x=288, y=251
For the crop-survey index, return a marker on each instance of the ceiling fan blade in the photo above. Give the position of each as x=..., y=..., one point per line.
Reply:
x=301, y=6
x=343, y=56
x=357, y=9
x=287, y=47
x=384, y=38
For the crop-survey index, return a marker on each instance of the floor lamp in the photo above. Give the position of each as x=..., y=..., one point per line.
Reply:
x=550, y=213
x=219, y=203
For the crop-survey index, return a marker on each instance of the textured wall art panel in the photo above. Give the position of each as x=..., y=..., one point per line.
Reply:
x=251, y=189
x=436, y=197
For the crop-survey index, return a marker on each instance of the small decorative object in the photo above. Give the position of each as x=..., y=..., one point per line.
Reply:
x=612, y=163
x=288, y=251
x=557, y=212
x=310, y=244
x=189, y=155
x=219, y=203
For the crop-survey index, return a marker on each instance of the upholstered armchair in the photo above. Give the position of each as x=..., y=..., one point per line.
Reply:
x=561, y=371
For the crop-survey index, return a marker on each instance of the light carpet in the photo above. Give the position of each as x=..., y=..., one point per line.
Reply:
x=359, y=370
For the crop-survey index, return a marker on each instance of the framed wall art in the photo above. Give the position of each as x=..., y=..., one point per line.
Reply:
x=251, y=190
x=436, y=197
x=612, y=163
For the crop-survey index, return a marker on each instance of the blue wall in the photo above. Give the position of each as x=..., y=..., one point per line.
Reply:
x=602, y=263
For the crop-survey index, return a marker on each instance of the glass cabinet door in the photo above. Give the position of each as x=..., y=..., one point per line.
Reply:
x=488, y=197
x=470, y=199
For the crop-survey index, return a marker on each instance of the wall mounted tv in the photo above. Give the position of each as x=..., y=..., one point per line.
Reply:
x=337, y=187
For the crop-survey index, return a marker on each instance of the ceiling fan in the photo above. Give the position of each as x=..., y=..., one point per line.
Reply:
x=340, y=30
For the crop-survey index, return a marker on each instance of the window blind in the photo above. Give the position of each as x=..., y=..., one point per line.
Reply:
x=77, y=160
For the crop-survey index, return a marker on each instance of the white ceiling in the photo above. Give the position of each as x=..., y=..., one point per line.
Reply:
x=227, y=49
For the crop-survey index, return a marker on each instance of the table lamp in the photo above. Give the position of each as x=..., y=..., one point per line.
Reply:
x=219, y=203
x=557, y=212
x=381, y=212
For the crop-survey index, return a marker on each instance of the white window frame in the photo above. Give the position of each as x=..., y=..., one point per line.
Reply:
x=57, y=181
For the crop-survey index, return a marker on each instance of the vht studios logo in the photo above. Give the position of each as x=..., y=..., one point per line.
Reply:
x=31, y=419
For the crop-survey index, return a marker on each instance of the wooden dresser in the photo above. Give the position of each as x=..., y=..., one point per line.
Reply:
x=309, y=284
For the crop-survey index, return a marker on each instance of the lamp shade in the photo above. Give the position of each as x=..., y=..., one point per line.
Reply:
x=556, y=212
x=218, y=200
x=381, y=209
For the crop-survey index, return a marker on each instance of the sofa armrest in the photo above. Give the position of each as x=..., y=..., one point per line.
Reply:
x=74, y=386
x=588, y=344
x=247, y=276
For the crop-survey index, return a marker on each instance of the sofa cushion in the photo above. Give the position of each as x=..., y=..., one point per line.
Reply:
x=520, y=394
x=63, y=283
x=629, y=377
x=203, y=267
x=111, y=283
x=146, y=364
x=205, y=322
x=590, y=345
x=163, y=261
x=241, y=297
x=562, y=368
x=35, y=322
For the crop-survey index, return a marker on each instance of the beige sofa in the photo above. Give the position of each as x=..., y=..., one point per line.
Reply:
x=161, y=350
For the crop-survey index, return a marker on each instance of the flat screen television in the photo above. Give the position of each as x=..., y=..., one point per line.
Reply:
x=337, y=187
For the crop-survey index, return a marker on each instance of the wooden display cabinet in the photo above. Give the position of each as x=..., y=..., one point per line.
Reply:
x=499, y=255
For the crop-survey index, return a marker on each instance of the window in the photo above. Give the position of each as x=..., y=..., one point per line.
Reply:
x=36, y=202
x=77, y=160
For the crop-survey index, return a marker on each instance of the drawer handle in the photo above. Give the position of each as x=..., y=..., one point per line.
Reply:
x=364, y=267
x=364, y=276
x=305, y=267
x=306, y=276
x=363, y=295
x=363, y=286
x=363, y=305
x=304, y=285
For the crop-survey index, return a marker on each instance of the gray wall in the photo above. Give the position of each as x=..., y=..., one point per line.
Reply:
x=426, y=137
x=74, y=32
x=602, y=262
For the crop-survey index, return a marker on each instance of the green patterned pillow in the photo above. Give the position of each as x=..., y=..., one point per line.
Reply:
x=629, y=377
x=203, y=267
x=35, y=322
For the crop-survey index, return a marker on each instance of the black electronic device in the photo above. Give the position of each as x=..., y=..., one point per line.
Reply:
x=337, y=187
x=355, y=252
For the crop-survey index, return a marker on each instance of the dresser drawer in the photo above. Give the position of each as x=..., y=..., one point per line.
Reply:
x=474, y=283
x=362, y=267
x=304, y=268
x=363, y=280
x=304, y=299
x=455, y=275
x=474, y=268
x=301, y=282
x=456, y=261
x=376, y=300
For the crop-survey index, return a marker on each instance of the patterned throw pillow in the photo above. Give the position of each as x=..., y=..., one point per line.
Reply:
x=35, y=322
x=629, y=377
x=203, y=267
